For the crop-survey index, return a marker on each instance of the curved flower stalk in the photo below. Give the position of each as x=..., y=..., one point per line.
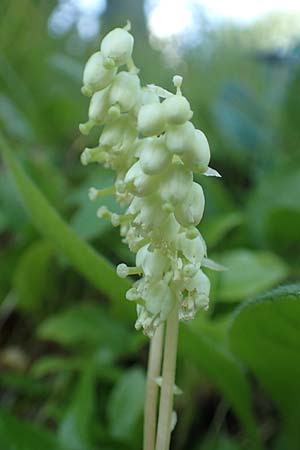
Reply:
x=148, y=139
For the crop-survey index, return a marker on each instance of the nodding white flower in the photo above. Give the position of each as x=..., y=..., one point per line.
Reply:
x=194, y=250
x=118, y=133
x=180, y=138
x=96, y=76
x=154, y=155
x=177, y=110
x=125, y=90
x=151, y=119
x=197, y=156
x=117, y=45
x=154, y=149
x=154, y=263
x=190, y=211
x=139, y=183
x=175, y=184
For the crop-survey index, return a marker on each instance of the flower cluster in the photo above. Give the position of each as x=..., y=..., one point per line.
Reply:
x=153, y=147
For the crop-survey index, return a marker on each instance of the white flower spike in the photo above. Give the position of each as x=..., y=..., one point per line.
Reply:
x=150, y=143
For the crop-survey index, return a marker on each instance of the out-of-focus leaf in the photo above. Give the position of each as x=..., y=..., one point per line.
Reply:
x=53, y=364
x=32, y=277
x=14, y=121
x=75, y=429
x=87, y=325
x=125, y=405
x=224, y=371
x=241, y=118
x=14, y=216
x=221, y=442
x=93, y=266
x=67, y=66
x=214, y=229
x=18, y=435
x=248, y=274
x=276, y=193
x=265, y=334
x=23, y=383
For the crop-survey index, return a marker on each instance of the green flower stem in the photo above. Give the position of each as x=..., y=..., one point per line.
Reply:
x=154, y=368
x=168, y=379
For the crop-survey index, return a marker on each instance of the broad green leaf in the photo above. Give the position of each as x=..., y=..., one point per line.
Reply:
x=249, y=273
x=125, y=405
x=265, y=334
x=20, y=435
x=32, y=277
x=75, y=428
x=275, y=194
x=88, y=326
x=94, y=267
x=221, y=367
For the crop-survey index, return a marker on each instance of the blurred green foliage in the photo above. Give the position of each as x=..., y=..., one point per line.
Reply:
x=72, y=365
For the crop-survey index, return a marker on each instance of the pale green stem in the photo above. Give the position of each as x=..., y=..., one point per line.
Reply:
x=154, y=368
x=168, y=379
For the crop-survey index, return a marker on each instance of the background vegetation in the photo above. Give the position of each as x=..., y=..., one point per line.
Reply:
x=72, y=365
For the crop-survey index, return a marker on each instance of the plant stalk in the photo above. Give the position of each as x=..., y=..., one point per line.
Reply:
x=154, y=368
x=168, y=378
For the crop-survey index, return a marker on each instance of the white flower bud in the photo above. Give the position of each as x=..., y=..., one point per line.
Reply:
x=197, y=157
x=125, y=90
x=117, y=45
x=118, y=133
x=151, y=119
x=190, y=211
x=99, y=106
x=177, y=110
x=175, y=184
x=95, y=75
x=154, y=156
x=179, y=138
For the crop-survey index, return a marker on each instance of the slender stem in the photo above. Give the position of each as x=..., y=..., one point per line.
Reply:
x=168, y=378
x=154, y=367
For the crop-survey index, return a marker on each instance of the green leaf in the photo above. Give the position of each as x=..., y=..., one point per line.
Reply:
x=214, y=229
x=32, y=277
x=125, y=406
x=18, y=435
x=277, y=192
x=265, y=334
x=220, y=366
x=88, y=325
x=248, y=274
x=75, y=428
x=94, y=267
x=53, y=364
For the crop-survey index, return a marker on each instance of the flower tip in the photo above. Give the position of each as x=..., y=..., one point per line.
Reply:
x=177, y=81
x=127, y=27
x=122, y=270
x=93, y=193
x=85, y=90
